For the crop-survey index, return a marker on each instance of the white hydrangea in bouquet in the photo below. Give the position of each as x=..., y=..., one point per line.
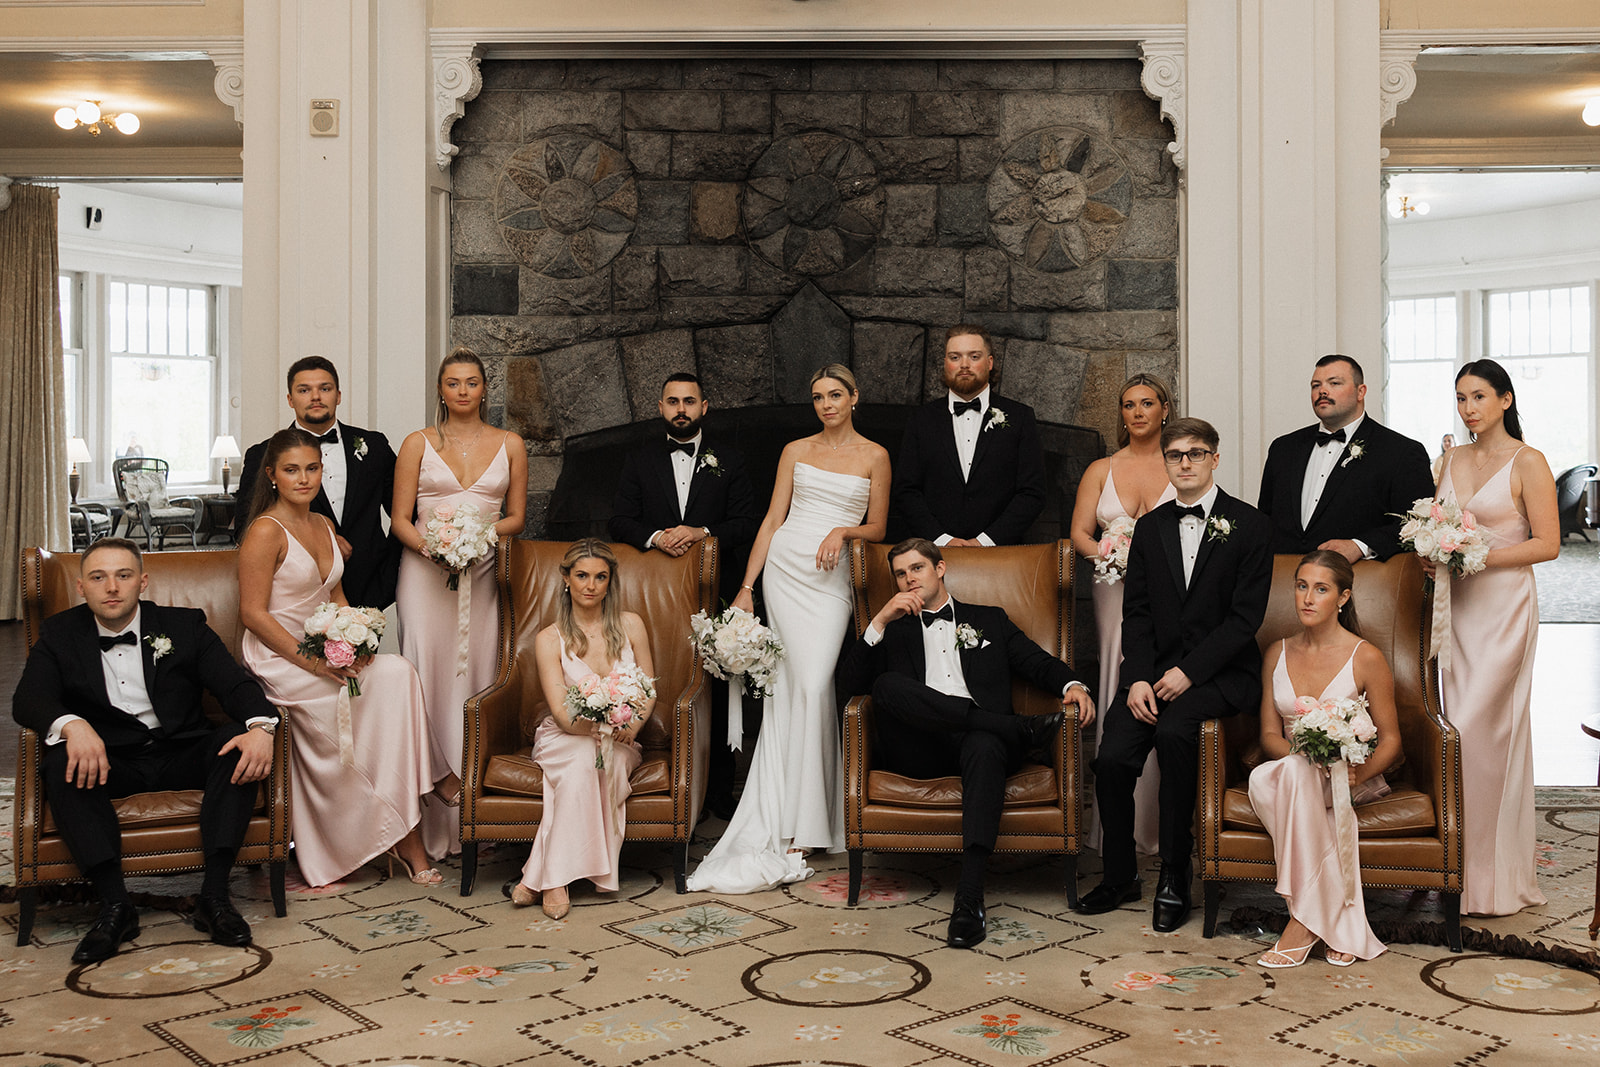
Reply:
x=1112, y=562
x=736, y=643
x=1447, y=534
x=456, y=536
x=342, y=635
x=1328, y=731
x=613, y=700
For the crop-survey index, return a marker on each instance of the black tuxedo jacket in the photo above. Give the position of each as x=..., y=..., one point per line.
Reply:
x=1004, y=491
x=720, y=500
x=373, y=569
x=64, y=676
x=987, y=669
x=1363, y=498
x=1209, y=628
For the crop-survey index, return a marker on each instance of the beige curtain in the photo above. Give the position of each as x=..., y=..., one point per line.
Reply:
x=33, y=404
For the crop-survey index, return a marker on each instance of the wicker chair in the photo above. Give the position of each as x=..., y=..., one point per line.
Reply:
x=142, y=486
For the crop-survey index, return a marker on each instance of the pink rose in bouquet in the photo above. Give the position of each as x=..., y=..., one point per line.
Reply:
x=342, y=635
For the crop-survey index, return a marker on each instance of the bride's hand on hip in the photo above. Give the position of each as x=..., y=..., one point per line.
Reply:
x=831, y=549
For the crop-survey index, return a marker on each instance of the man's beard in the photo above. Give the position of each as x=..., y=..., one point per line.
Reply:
x=320, y=421
x=683, y=433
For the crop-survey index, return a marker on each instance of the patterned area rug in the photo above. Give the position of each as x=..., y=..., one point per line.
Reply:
x=378, y=971
x=1569, y=585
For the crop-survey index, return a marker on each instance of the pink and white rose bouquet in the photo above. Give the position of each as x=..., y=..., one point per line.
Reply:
x=456, y=536
x=342, y=635
x=1327, y=731
x=1112, y=562
x=615, y=701
x=1447, y=534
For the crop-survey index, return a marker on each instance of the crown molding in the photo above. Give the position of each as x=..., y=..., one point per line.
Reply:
x=129, y=258
x=197, y=46
x=1492, y=35
x=1481, y=153
x=525, y=42
x=122, y=162
x=1427, y=276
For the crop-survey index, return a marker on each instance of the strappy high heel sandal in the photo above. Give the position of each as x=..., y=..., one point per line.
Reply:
x=1293, y=957
x=449, y=800
x=429, y=876
x=1337, y=959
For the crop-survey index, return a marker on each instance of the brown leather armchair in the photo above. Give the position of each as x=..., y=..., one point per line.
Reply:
x=1043, y=805
x=1410, y=839
x=503, y=789
x=160, y=831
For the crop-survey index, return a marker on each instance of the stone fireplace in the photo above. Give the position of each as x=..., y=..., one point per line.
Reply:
x=614, y=221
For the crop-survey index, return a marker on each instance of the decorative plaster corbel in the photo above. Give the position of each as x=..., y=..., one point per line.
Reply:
x=1397, y=78
x=456, y=79
x=1163, y=80
x=5, y=192
x=229, y=81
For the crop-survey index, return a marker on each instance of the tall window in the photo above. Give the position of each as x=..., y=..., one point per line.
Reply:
x=162, y=392
x=1423, y=356
x=1545, y=340
x=71, y=289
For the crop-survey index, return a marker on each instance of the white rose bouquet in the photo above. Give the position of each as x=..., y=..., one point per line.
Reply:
x=456, y=536
x=735, y=644
x=342, y=635
x=614, y=700
x=1337, y=734
x=1112, y=562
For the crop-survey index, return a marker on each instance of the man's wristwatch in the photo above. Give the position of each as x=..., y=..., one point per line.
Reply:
x=266, y=727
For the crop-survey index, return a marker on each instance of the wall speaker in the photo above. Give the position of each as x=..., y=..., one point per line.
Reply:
x=324, y=118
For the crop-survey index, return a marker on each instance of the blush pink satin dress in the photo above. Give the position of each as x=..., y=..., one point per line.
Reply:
x=1487, y=694
x=429, y=628
x=1108, y=623
x=1294, y=800
x=581, y=830
x=342, y=816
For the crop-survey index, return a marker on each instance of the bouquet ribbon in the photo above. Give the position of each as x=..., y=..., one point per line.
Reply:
x=1441, y=620
x=736, y=712
x=347, y=741
x=463, y=623
x=1344, y=826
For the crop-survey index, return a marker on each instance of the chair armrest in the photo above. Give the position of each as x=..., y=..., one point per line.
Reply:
x=493, y=727
x=1213, y=783
x=27, y=815
x=193, y=503
x=277, y=782
x=691, y=747
x=857, y=728
x=1066, y=757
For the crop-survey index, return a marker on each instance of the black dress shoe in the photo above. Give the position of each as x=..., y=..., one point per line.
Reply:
x=968, y=923
x=1108, y=896
x=1172, y=899
x=117, y=923
x=1039, y=730
x=215, y=915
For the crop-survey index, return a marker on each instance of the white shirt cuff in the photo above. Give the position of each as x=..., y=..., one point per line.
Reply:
x=54, y=736
x=1070, y=686
x=250, y=722
x=985, y=540
x=942, y=540
x=652, y=542
x=872, y=636
x=1366, y=553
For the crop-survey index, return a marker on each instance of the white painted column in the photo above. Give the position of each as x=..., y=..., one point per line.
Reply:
x=1282, y=233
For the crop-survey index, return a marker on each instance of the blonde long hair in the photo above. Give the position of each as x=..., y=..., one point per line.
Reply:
x=610, y=613
x=459, y=354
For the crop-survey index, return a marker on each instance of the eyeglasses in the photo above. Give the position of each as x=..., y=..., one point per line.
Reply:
x=1196, y=456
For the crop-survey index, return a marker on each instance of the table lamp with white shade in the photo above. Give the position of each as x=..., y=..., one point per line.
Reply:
x=225, y=448
x=77, y=452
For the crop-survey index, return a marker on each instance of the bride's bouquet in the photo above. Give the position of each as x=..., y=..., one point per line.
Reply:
x=1447, y=534
x=735, y=644
x=457, y=536
x=342, y=635
x=1112, y=562
x=1336, y=734
x=612, y=700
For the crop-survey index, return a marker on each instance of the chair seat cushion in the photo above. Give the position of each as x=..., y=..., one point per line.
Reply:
x=1034, y=784
x=144, y=810
x=516, y=774
x=1403, y=813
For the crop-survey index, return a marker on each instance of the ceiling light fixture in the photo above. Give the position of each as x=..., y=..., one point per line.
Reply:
x=1403, y=207
x=89, y=114
x=1591, y=111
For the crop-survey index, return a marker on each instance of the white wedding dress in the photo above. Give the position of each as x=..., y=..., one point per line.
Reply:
x=793, y=796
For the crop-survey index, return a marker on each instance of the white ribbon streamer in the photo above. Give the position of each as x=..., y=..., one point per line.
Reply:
x=1344, y=826
x=1441, y=619
x=463, y=622
x=347, y=740
x=736, y=712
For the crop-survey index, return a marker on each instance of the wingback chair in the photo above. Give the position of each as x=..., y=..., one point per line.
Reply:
x=1410, y=839
x=503, y=788
x=160, y=831
x=1043, y=809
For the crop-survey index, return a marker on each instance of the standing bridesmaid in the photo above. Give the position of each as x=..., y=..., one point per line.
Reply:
x=459, y=460
x=1494, y=628
x=1126, y=484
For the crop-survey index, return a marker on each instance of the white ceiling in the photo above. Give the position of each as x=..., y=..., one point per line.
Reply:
x=1462, y=194
x=210, y=194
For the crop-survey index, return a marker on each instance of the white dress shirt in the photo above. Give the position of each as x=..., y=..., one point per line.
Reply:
x=683, y=466
x=967, y=426
x=1324, y=459
x=1191, y=531
x=124, y=673
x=335, y=476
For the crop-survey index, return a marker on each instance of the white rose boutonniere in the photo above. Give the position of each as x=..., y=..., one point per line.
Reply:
x=1354, y=451
x=160, y=645
x=968, y=636
x=997, y=420
x=1218, y=528
x=361, y=447
x=709, y=461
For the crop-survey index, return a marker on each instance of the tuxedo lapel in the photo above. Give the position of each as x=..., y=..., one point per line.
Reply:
x=1172, y=548
x=147, y=654
x=662, y=464
x=1299, y=456
x=1219, y=510
x=1341, y=471
x=87, y=639
x=697, y=480
x=945, y=431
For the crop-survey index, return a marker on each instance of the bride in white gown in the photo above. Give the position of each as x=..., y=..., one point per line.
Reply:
x=831, y=486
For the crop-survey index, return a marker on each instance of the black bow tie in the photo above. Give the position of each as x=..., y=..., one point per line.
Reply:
x=947, y=613
x=329, y=438
x=961, y=407
x=1196, y=512
x=126, y=637
x=686, y=447
x=1324, y=438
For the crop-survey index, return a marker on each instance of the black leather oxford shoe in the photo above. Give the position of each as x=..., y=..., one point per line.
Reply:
x=1109, y=896
x=215, y=915
x=1172, y=899
x=117, y=923
x=968, y=923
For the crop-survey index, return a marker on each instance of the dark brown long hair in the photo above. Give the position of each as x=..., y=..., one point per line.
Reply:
x=1344, y=578
x=266, y=493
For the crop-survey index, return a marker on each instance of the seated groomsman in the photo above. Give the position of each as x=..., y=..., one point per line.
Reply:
x=1344, y=483
x=357, y=483
x=675, y=492
x=113, y=686
x=940, y=677
x=970, y=469
x=1194, y=595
